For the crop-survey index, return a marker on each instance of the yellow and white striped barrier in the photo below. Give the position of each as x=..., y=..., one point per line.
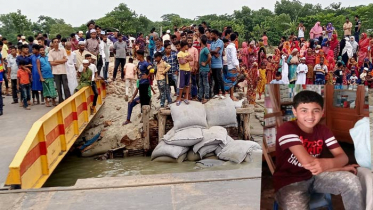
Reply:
x=51, y=137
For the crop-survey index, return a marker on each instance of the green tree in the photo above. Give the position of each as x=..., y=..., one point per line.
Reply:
x=64, y=29
x=15, y=23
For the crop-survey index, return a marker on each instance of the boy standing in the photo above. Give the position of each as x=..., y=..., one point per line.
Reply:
x=162, y=69
x=184, y=77
x=300, y=170
x=23, y=76
x=93, y=68
x=278, y=79
x=320, y=71
x=144, y=83
x=204, y=69
x=302, y=70
x=339, y=76
x=46, y=77
x=130, y=73
x=13, y=69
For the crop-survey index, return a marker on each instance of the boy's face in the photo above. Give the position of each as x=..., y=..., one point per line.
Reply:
x=35, y=51
x=308, y=115
x=278, y=78
x=178, y=47
x=139, y=57
x=158, y=59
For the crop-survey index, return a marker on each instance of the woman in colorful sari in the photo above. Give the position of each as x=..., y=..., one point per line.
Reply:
x=331, y=66
x=252, y=54
x=329, y=30
x=244, y=54
x=270, y=69
x=363, y=48
x=262, y=80
x=286, y=48
x=310, y=62
x=334, y=46
x=252, y=81
x=293, y=62
x=276, y=60
x=262, y=55
x=316, y=31
x=295, y=45
x=85, y=76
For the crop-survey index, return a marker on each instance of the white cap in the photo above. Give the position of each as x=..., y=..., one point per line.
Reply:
x=23, y=37
x=168, y=31
x=85, y=61
x=103, y=32
x=92, y=31
x=366, y=69
x=81, y=42
x=80, y=32
x=303, y=58
x=347, y=39
x=0, y=35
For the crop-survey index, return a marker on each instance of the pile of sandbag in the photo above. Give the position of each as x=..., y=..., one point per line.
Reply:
x=199, y=132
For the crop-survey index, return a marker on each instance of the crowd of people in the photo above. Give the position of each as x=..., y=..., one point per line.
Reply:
x=199, y=62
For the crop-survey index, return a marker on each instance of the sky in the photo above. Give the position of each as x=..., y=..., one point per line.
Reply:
x=77, y=12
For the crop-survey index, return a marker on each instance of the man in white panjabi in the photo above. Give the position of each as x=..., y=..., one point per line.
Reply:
x=284, y=70
x=71, y=68
x=302, y=70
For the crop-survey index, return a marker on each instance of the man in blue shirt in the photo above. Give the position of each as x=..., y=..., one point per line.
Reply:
x=216, y=50
x=170, y=57
x=144, y=83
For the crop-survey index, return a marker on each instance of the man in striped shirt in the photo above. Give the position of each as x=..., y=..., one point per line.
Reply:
x=300, y=168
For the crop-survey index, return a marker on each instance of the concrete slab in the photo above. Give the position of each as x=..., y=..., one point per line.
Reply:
x=15, y=124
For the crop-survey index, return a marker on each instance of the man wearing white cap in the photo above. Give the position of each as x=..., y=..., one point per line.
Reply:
x=80, y=53
x=92, y=44
x=57, y=58
x=302, y=70
x=23, y=40
x=166, y=36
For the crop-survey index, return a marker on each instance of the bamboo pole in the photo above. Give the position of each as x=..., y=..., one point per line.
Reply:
x=162, y=123
x=145, y=120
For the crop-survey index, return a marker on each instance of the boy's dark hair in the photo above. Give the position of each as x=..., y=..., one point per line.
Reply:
x=140, y=52
x=36, y=47
x=183, y=43
x=130, y=60
x=54, y=39
x=45, y=36
x=233, y=37
x=12, y=47
x=90, y=22
x=148, y=58
x=278, y=74
x=72, y=35
x=63, y=40
x=22, y=63
x=190, y=32
x=87, y=56
x=357, y=16
x=173, y=37
x=207, y=29
x=237, y=34
x=228, y=32
x=216, y=32
x=1, y=43
x=339, y=64
x=308, y=96
x=58, y=36
x=175, y=29
x=201, y=30
x=166, y=44
x=177, y=43
x=225, y=40
x=158, y=54
x=41, y=46
x=24, y=46
x=19, y=35
x=119, y=35
x=204, y=39
x=284, y=37
x=264, y=33
x=30, y=39
x=4, y=39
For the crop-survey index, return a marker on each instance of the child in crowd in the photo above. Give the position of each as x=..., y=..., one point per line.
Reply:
x=262, y=79
x=24, y=85
x=134, y=101
x=339, y=76
x=130, y=76
x=300, y=168
x=320, y=71
x=184, y=71
x=144, y=68
x=162, y=69
x=278, y=79
x=352, y=82
x=93, y=68
x=151, y=77
x=46, y=77
x=204, y=68
x=302, y=70
x=363, y=76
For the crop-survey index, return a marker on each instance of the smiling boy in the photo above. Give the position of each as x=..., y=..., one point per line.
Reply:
x=300, y=170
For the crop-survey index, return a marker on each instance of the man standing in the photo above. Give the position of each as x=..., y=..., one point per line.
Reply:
x=12, y=72
x=357, y=28
x=80, y=53
x=193, y=52
x=106, y=48
x=120, y=48
x=71, y=67
x=166, y=36
x=233, y=66
x=301, y=30
x=170, y=57
x=92, y=44
x=57, y=59
x=216, y=50
x=347, y=27
x=46, y=77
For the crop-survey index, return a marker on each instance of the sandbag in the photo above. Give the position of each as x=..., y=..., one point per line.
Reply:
x=209, y=163
x=207, y=149
x=187, y=137
x=191, y=156
x=187, y=116
x=249, y=156
x=221, y=112
x=218, y=150
x=211, y=155
x=212, y=136
x=166, y=159
x=236, y=151
x=164, y=149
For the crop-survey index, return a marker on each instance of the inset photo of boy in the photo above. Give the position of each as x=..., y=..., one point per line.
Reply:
x=317, y=148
